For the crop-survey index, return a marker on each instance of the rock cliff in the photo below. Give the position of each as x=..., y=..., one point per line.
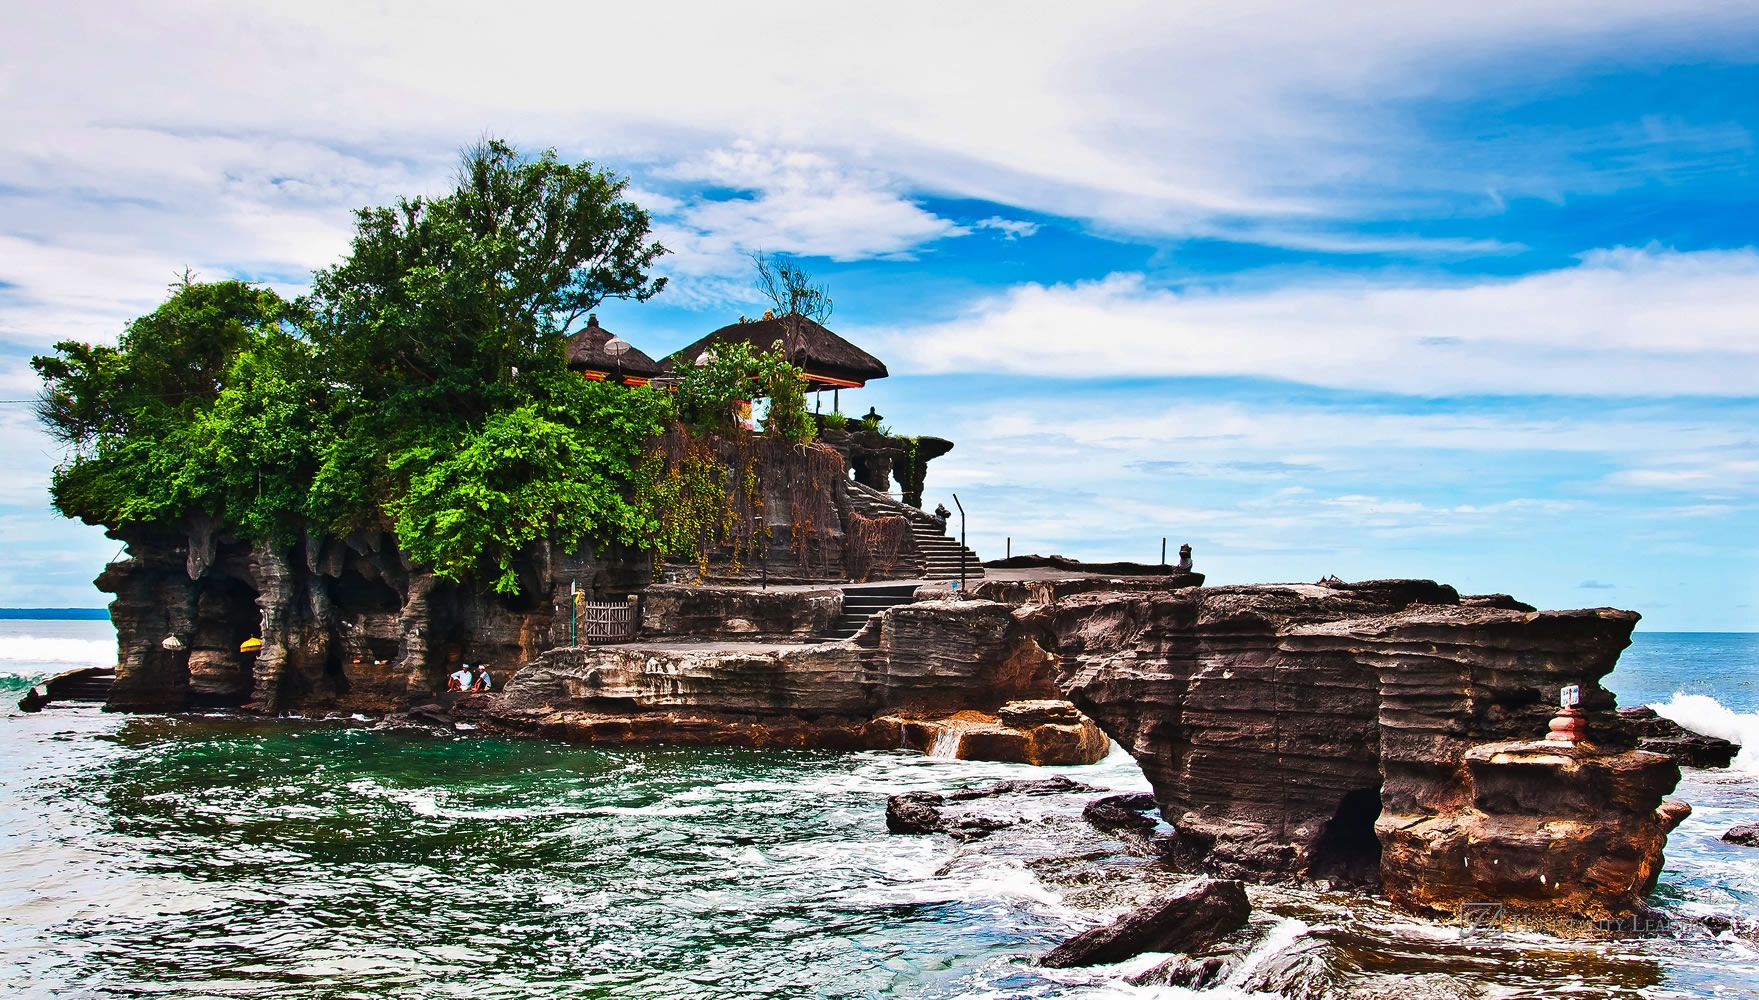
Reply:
x=1340, y=731
x=345, y=623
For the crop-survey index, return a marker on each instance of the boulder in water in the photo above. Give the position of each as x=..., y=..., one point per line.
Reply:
x=1746, y=835
x=1123, y=812
x=1196, y=915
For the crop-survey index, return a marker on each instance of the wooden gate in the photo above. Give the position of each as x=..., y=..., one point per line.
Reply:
x=610, y=621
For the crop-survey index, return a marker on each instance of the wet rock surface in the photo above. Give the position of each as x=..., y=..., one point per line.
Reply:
x=1641, y=727
x=1746, y=835
x=1186, y=920
x=969, y=813
x=1123, y=812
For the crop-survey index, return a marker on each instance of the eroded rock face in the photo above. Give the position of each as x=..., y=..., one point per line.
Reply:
x=1544, y=828
x=1649, y=731
x=915, y=672
x=1024, y=732
x=1302, y=728
x=344, y=623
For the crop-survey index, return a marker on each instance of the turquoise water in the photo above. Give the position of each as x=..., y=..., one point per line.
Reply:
x=233, y=857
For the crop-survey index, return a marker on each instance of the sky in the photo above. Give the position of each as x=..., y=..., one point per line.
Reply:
x=1466, y=292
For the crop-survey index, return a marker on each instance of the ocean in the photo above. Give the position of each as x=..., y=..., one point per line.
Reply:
x=230, y=857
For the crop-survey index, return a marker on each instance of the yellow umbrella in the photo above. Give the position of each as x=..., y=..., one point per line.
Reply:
x=250, y=645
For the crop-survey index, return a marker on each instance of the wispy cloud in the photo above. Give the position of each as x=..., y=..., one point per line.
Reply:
x=1622, y=322
x=1011, y=229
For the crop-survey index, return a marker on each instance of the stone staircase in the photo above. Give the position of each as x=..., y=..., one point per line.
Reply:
x=940, y=554
x=864, y=601
x=87, y=685
x=90, y=686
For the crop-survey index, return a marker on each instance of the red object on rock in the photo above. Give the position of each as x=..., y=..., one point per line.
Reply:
x=1568, y=727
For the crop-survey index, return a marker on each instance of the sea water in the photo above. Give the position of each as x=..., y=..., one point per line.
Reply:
x=231, y=857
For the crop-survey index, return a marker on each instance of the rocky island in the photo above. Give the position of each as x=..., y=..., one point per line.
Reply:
x=331, y=505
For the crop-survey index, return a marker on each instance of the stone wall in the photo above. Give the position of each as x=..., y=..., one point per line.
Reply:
x=706, y=612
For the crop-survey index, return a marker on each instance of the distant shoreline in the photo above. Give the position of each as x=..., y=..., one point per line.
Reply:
x=57, y=614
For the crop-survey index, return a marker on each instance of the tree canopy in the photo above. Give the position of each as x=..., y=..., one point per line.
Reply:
x=420, y=388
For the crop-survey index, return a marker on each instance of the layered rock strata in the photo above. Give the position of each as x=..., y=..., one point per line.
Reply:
x=910, y=678
x=739, y=614
x=1302, y=729
x=1546, y=827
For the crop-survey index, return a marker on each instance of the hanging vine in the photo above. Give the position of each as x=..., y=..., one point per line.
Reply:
x=910, y=469
x=702, y=501
x=812, y=472
x=874, y=544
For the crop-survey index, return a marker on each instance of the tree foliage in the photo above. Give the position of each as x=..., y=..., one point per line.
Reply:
x=421, y=388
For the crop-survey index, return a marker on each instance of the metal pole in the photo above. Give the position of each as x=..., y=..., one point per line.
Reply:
x=962, y=549
x=573, y=608
x=1163, y=550
x=1010, y=546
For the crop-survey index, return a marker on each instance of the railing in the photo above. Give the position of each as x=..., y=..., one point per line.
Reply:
x=602, y=622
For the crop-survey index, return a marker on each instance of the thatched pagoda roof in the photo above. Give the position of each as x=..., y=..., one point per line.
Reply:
x=824, y=356
x=586, y=352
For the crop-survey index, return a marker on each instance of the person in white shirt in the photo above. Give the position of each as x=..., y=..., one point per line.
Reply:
x=460, y=679
x=483, y=681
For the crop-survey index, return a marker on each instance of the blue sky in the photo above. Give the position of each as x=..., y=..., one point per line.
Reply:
x=1370, y=290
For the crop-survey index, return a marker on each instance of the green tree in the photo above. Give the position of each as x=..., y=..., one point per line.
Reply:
x=444, y=303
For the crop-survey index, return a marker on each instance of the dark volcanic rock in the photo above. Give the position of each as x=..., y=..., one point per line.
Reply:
x=1123, y=812
x=914, y=812
x=1501, y=602
x=1326, y=730
x=929, y=812
x=1746, y=836
x=1640, y=726
x=1189, y=919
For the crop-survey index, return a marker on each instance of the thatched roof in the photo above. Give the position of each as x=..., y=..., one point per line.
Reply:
x=810, y=346
x=586, y=350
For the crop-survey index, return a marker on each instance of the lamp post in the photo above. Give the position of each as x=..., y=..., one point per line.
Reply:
x=573, y=608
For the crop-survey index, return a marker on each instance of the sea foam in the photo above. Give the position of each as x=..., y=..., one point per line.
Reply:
x=57, y=650
x=1702, y=713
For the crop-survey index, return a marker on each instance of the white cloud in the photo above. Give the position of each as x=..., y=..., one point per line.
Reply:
x=1011, y=229
x=789, y=202
x=1623, y=322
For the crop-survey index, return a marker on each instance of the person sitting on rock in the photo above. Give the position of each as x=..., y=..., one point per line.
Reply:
x=460, y=679
x=483, y=681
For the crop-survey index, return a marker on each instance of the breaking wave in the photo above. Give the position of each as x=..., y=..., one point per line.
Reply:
x=51, y=651
x=1702, y=713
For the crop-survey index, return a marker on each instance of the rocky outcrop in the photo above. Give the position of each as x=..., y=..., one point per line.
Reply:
x=1543, y=827
x=1028, y=732
x=344, y=623
x=954, y=812
x=916, y=677
x=1307, y=729
x=1186, y=920
x=1640, y=727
